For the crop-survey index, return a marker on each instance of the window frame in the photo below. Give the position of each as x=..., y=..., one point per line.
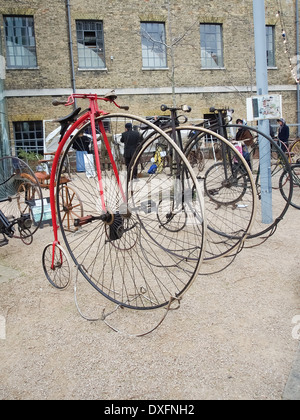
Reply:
x=23, y=31
x=207, y=62
x=98, y=48
x=151, y=61
x=30, y=136
x=269, y=42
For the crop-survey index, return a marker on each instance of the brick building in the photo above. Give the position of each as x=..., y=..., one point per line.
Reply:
x=54, y=47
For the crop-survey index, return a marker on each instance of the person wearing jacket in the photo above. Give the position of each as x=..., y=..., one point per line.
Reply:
x=283, y=134
x=245, y=137
x=131, y=139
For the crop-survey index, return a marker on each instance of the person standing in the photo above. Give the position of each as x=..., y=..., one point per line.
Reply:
x=131, y=139
x=245, y=137
x=283, y=134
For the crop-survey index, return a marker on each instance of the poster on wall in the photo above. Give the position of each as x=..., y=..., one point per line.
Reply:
x=264, y=107
x=37, y=207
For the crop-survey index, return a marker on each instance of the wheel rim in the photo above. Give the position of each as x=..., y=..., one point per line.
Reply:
x=19, y=192
x=56, y=266
x=113, y=249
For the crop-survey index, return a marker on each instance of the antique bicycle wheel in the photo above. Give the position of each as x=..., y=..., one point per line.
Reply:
x=120, y=244
x=20, y=198
x=71, y=206
x=228, y=187
x=56, y=266
x=284, y=185
x=295, y=151
x=267, y=182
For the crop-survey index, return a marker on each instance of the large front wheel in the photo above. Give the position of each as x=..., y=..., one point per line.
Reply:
x=228, y=187
x=140, y=238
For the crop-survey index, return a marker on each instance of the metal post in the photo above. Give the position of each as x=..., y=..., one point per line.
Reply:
x=263, y=126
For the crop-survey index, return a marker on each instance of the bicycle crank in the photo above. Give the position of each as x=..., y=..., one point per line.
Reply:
x=113, y=220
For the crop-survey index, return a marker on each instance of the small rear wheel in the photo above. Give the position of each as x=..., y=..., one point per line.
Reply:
x=223, y=188
x=56, y=266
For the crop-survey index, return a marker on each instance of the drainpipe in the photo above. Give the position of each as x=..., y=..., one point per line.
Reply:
x=298, y=63
x=73, y=79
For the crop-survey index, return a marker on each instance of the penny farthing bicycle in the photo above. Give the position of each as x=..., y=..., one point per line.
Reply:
x=119, y=243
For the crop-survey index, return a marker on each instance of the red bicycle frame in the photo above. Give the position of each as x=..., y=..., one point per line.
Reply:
x=92, y=113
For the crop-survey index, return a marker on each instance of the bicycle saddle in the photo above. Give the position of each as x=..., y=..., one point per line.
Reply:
x=111, y=95
x=66, y=121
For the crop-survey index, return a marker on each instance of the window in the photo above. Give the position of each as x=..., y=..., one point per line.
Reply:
x=90, y=44
x=20, y=42
x=211, y=46
x=270, y=46
x=29, y=136
x=153, y=45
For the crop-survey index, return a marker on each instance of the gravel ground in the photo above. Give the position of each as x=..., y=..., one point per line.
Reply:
x=231, y=338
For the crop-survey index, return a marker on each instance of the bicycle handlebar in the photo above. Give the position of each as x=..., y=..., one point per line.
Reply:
x=184, y=108
x=109, y=97
x=55, y=102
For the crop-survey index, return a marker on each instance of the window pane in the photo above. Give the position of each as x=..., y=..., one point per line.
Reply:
x=270, y=46
x=90, y=44
x=211, y=46
x=29, y=136
x=20, y=42
x=153, y=45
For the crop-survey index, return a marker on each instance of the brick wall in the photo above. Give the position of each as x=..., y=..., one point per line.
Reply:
x=197, y=87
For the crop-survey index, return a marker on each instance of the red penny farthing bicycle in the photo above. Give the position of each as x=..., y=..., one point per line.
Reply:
x=117, y=241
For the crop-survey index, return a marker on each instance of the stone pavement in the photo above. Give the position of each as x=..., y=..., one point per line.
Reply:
x=7, y=274
x=292, y=388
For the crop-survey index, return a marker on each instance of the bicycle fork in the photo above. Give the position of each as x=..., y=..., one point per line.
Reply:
x=94, y=110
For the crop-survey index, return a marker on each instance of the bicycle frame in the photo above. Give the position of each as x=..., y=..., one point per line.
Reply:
x=90, y=116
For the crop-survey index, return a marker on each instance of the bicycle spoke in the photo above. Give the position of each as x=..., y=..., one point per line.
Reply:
x=19, y=193
x=263, y=146
x=56, y=266
x=132, y=241
x=284, y=185
x=230, y=200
